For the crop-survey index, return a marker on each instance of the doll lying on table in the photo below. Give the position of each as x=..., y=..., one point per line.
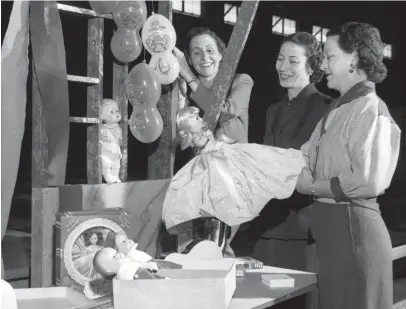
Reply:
x=231, y=182
x=128, y=263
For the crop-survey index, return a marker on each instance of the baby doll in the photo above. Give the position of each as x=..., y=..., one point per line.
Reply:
x=111, y=139
x=229, y=181
x=110, y=263
x=129, y=249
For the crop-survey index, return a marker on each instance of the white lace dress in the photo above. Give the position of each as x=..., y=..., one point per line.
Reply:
x=230, y=182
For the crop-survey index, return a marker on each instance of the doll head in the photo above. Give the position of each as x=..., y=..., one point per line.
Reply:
x=110, y=112
x=93, y=238
x=124, y=245
x=108, y=261
x=189, y=121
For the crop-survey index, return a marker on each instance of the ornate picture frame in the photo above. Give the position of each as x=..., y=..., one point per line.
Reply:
x=79, y=235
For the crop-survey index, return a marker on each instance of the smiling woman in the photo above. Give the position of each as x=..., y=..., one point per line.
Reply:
x=351, y=158
x=200, y=64
x=289, y=124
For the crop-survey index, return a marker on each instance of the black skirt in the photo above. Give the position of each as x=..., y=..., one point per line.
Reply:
x=355, y=257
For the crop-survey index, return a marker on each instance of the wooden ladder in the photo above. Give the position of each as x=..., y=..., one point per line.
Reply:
x=44, y=203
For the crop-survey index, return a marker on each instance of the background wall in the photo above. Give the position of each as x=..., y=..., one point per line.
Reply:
x=258, y=60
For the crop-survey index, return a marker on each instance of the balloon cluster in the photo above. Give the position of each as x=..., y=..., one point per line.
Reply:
x=159, y=39
x=129, y=17
x=143, y=85
x=143, y=91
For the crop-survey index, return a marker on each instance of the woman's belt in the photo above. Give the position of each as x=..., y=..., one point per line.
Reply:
x=330, y=200
x=366, y=203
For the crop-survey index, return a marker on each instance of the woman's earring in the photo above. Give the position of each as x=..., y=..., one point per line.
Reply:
x=352, y=69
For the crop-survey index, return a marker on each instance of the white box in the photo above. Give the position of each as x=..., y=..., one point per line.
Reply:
x=278, y=280
x=199, y=285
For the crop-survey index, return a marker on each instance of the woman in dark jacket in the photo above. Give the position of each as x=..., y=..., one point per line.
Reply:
x=289, y=124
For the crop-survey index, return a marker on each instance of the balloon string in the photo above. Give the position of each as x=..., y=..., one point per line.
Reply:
x=144, y=53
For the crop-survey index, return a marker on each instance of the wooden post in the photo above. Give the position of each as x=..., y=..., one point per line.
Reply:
x=95, y=47
x=162, y=153
x=39, y=179
x=210, y=100
x=120, y=73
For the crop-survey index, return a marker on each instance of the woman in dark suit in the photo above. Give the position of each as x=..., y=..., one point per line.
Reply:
x=289, y=124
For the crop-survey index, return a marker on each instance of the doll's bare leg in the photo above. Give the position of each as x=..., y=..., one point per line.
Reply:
x=106, y=170
x=115, y=170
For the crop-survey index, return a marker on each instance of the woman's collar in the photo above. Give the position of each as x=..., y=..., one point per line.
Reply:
x=360, y=89
x=303, y=95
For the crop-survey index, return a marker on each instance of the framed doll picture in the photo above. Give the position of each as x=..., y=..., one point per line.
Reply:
x=79, y=236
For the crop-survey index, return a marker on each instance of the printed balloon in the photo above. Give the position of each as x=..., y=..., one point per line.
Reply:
x=166, y=66
x=143, y=87
x=158, y=34
x=126, y=45
x=146, y=124
x=103, y=7
x=130, y=14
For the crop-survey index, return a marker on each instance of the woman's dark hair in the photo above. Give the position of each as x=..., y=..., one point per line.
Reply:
x=195, y=31
x=366, y=41
x=314, y=52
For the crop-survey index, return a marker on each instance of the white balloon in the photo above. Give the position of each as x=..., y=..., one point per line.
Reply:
x=158, y=34
x=166, y=66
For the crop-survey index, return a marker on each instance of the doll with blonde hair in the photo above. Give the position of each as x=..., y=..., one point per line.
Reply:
x=111, y=140
x=229, y=181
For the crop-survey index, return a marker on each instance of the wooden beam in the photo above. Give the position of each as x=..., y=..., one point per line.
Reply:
x=84, y=120
x=83, y=79
x=210, y=100
x=120, y=73
x=39, y=175
x=161, y=157
x=44, y=208
x=95, y=47
x=81, y=11
x=398, y=252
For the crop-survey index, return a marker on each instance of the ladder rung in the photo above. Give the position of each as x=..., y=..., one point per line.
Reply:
x=84, y=120
x=399, y=252
x=83, y=79
x=80, y=11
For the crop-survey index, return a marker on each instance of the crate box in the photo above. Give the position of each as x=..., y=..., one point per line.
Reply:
x=57, y=298
x=79, y=235
x=199, y=285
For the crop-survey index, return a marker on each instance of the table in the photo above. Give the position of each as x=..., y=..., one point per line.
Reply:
x=251, y=293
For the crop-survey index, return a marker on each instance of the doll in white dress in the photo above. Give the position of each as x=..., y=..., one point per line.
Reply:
x=229, y=181
x=111, y=139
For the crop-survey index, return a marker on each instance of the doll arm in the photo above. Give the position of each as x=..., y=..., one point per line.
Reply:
x=199, y=141
x=104, y=136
